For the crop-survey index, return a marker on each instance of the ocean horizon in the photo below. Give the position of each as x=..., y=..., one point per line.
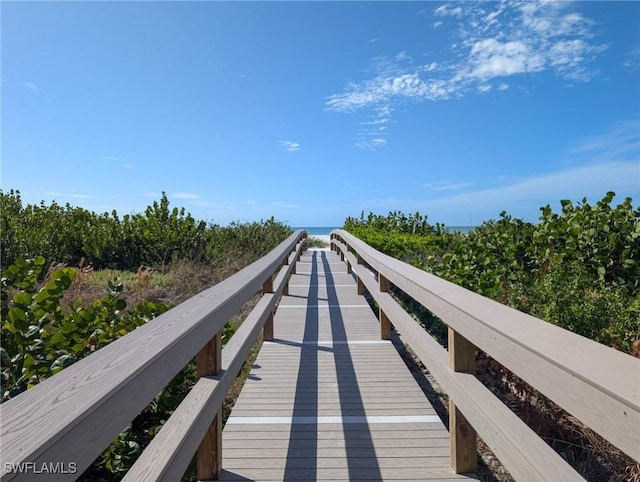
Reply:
x=326, y=230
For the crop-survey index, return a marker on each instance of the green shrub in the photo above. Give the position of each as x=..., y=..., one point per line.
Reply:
x=579, y=268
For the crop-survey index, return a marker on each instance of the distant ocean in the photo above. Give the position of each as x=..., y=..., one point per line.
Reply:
x=319, y=231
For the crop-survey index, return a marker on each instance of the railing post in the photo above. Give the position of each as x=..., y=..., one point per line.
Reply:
x=359, y=281
x=209, y=458
x=385, y=324
x=267, y=331
x=464, y=455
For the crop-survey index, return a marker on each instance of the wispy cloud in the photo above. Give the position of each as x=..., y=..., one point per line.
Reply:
x=447, y=10
x=609, y=161
x=69, y=195
x=352, y=186
x=621, y=142
x=492, y=42
x=31, y=86
x=523, y=197
x=633, y=60
x=110, y=158
x=371, y=144
x=447, y=186
x=185, y=195
x=290, y=145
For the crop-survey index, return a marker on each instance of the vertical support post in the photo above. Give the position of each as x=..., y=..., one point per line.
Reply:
x=267, y=331
x=209, y=458
x=464, y=455
x=359, y=281
x=341, y=255
x=349, y=268
x=385, y=324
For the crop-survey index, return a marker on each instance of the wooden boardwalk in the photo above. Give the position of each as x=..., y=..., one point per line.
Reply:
x=327, y=399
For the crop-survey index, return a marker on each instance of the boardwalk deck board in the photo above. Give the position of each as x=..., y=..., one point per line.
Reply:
x=327, y=399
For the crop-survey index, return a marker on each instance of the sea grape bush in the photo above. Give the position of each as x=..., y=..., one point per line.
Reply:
x=40, y=337
x=579, y=268
x=157, y=237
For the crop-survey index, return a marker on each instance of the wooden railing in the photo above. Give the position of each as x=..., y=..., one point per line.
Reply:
x=598, y=385
x=65, y=422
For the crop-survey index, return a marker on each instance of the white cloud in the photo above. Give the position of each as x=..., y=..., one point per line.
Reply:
x=490, y=58
x=110, y=158
x=70, y=195
x=437, y=24
x=371, y=144
x=491, y=44
x=31, y=86
x=445, y=10
x=290, y=146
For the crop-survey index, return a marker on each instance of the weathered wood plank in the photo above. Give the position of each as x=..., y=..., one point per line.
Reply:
x=341, y=474
x=294, y=376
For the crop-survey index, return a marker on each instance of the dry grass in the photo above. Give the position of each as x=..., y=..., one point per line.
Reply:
x=178, y=283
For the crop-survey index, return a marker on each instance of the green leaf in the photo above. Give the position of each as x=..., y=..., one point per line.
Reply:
x=22, y=299
x=18, y=318
x=61, y=363
x=58, y=338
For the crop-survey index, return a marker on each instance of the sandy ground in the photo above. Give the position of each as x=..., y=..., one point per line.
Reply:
x=324, y=237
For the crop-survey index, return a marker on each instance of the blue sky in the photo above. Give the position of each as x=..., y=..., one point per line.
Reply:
x=315, y=111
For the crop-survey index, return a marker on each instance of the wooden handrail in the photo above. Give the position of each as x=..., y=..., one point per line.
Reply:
x=70, y=418
x=597, y=384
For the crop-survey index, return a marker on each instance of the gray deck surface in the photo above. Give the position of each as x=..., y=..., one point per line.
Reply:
x=327, y=399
